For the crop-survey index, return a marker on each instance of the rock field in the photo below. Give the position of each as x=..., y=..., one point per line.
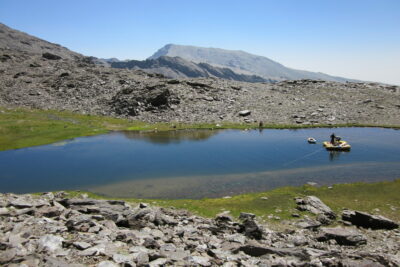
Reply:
x=51, y=230
x=47, y=82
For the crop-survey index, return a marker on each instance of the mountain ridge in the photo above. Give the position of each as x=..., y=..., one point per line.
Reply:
x=177, y=67
x=241, y=62
x=238, y=61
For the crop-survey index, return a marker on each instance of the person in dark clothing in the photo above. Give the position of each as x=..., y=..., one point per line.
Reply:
x=333, y=138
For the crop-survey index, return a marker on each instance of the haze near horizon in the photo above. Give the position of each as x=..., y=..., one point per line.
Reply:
x=354, y=39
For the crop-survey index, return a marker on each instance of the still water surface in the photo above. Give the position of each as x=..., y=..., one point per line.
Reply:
x=196, y=164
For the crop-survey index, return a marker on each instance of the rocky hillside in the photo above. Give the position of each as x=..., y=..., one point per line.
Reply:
x=176, y=67
x=52, y=230
x=241, y=62
x=51, y=79
x=35, y=80
x=14, y=40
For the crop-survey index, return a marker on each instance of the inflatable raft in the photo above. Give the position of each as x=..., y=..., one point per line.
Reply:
x=311, y=140
x=339, y=146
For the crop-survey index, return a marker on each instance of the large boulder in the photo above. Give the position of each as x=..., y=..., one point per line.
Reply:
x=315, y=206
x=50, y=212
x=223, y=217
x=134, y=100
x=149, y=216
x=366, y=220
x=259, y=250
x=69, y=202
x=26, y=201
x=251, y=229
x=50, y=56
x=343, y=236
x=244, y=113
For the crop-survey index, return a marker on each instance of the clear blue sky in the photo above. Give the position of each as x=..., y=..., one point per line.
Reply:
x=351, y=38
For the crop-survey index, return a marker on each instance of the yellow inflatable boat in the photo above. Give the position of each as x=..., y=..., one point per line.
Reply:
x=340, y=146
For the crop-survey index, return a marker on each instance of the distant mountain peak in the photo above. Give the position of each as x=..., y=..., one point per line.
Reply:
x=163, y=51
x=177, y=67
x=241, y=62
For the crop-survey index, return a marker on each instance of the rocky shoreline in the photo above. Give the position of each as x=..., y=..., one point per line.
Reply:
x=53, y=230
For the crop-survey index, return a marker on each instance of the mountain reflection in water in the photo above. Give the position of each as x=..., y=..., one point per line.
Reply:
x=168, y=137
x=200, y=163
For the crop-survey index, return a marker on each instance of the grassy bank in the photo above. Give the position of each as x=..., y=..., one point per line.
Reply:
x=22, y=127
x=27, y=127
x=381, y=198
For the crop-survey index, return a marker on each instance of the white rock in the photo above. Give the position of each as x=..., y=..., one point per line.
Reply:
x=158, y=262
x=245, y=112
x=50, y=243
x=120, y=258
x=107, y=264
x=142, y=258
x=200, y=260
x=96, y=250
x=4, y=211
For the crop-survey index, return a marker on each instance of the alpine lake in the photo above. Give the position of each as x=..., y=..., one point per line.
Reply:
x=200, y=163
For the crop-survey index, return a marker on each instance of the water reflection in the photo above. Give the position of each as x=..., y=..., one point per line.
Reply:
x=171, y=137
x=335, y=155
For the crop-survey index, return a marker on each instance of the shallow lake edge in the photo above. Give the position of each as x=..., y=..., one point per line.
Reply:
x=380, y=198
x=21, y=127
x=68, y=125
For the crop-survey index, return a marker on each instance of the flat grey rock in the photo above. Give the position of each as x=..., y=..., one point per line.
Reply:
x=366, y=220
x=343, y=236
x=4, y=212
x=257, y=251
x=314, y=205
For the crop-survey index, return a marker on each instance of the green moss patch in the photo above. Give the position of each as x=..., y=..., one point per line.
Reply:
x=377, y=198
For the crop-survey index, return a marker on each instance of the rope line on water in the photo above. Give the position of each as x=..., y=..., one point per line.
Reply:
x=303, y=157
